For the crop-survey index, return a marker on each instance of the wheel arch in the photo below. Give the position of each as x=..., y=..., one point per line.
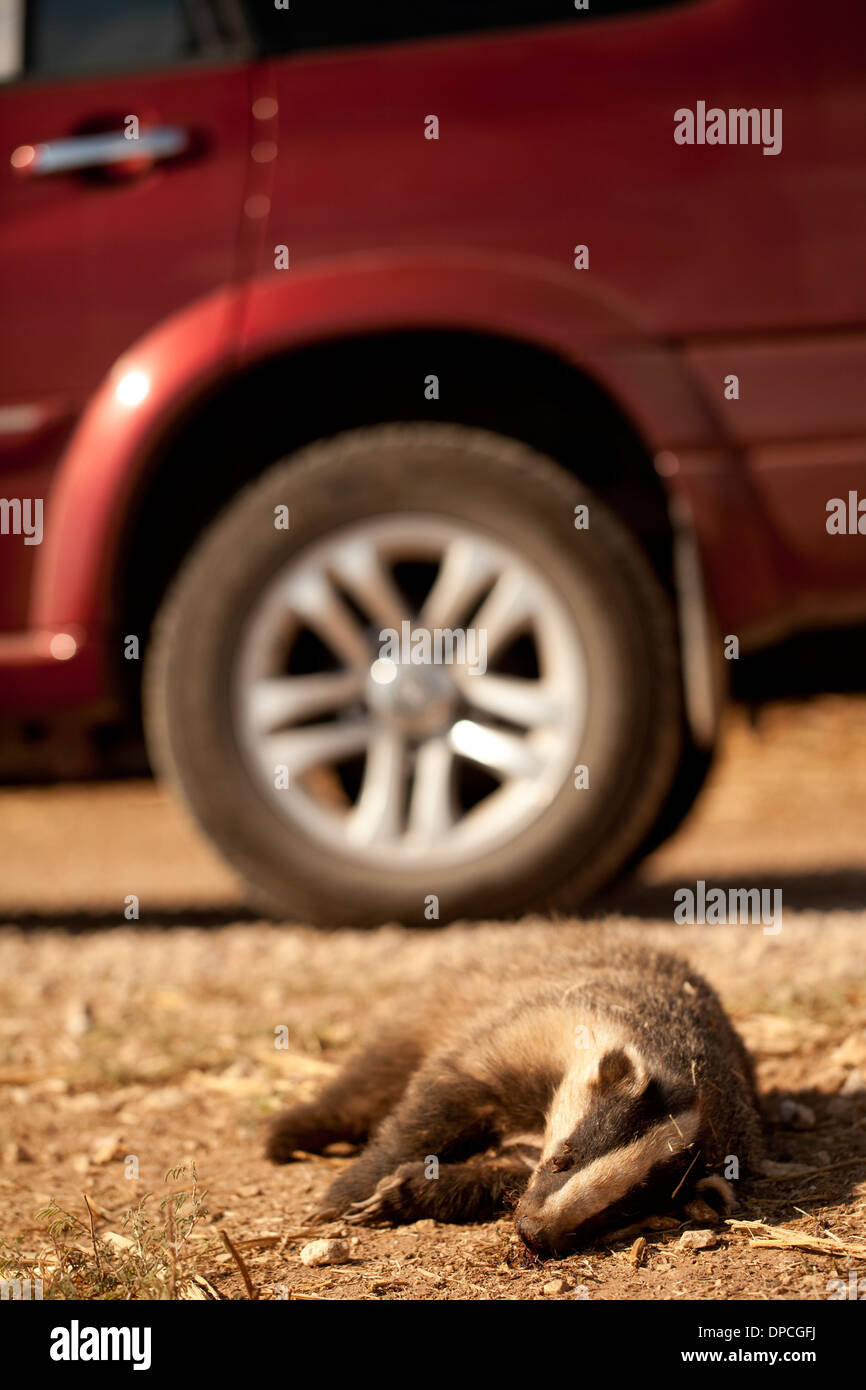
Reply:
x=501, y=384
x=541, y=355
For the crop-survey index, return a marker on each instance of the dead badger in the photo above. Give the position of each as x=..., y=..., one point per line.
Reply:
x=598, y=1082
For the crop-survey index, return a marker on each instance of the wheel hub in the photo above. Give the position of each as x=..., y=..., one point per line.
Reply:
x=415, y=699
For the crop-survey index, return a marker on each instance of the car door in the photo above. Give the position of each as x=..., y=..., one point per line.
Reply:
x=124, y=147
x=558, y=128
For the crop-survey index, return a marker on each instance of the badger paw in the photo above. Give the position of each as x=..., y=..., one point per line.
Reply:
x=714, y=1182
x=391, y=1202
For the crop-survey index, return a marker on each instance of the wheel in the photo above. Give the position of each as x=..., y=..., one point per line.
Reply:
x=381, y=712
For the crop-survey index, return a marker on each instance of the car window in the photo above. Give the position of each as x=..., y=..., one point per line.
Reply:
x=303, y=24
x=70, y=38
x=11, y=38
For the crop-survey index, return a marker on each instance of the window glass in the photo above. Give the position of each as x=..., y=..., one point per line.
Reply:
x=66, y=38
x=11, y=38
x=338, y=23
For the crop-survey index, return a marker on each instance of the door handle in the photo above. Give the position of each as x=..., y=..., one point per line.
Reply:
x=100, y=151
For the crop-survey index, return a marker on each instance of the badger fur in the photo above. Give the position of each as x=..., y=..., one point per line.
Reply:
x=593, y=1084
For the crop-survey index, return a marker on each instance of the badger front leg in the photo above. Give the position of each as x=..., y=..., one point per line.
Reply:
x=456, y=1192
x=442, y=1118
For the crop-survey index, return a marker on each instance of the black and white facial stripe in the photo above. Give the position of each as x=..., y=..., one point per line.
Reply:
x=632, y=1139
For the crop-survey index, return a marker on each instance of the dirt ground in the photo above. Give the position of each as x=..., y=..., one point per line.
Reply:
x=151, y=1045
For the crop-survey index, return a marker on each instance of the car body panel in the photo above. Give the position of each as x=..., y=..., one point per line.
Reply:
x=553, y=137
x=702, y=263
x=89, y=265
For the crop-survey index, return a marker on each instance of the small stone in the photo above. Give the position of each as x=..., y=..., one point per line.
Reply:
x=108, y=1149
x=164, y=1098
x=854, y=1084
x=13, y=1152
x=795, y=1115
x=241, y=1067
x=697, y=1240
x=79, y=1019
x=425, y=1225
x=252, y=1189
x=852, y=1052
x=85, y=1101
x=122, y=1244
x=325, y=1252
x=554, y=1287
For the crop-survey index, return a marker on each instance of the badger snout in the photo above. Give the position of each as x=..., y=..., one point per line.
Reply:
x=541, y=1240
x=531, y=1232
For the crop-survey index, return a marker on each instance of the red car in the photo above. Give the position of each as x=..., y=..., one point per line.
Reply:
x=533, y=330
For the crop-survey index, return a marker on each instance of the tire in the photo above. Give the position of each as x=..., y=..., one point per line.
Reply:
x=451, y=811
x=692, y=772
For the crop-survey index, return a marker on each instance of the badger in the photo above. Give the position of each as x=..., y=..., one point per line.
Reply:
x=588, y=1085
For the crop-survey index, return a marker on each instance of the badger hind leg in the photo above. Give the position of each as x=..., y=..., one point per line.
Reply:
x=473, y=1191
x=352, y=1105
x=308, y=1128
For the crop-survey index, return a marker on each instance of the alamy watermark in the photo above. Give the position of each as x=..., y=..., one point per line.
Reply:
x=846, y=518
x=20, y=1290
x=22, y=516
x=737, y=905
x=436, y=646
x=77, y=1343
x=853, y=1289
x=738, y=125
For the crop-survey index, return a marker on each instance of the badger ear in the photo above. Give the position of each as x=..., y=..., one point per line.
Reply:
x=615, y=1069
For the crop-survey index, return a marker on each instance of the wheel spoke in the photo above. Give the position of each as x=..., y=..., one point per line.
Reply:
x=315, y=599
x=359, y=565
x=506, y=609
x=506, y=754
x=461, y=576
x=520, y=701
x=279, y=701
x=378, y=813
x=318, y=744
x=432, y=811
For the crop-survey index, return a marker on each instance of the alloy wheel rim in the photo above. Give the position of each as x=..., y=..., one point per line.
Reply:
x=423, y=752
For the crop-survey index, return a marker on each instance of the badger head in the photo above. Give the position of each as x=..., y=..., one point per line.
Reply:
x=621, y=1144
